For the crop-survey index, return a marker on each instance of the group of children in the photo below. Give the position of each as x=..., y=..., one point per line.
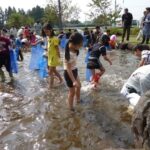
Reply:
x=45, y=49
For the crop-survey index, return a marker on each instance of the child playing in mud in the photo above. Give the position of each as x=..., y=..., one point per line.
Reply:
x=94, y=62
x=70, y=69
x=142, y=51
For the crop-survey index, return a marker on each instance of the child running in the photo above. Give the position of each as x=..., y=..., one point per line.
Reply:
x=93, y=60
x=70, y=69
x=142, y=51
x=53, y=54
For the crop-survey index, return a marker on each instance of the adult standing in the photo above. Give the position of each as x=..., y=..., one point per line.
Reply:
x=141, y=26
x=13, y=31
x=146, y=29
x=38, y=28
x=127, y=23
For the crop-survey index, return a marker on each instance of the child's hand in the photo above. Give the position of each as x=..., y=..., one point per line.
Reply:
x=76, y=84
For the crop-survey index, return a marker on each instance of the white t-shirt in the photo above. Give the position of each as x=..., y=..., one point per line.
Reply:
x=139, y=80
x=146, y=56
x=72, y=61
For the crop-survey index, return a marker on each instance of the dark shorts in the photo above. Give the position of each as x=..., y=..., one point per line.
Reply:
x=67, y=78
x=5, y=61
x=94, y=64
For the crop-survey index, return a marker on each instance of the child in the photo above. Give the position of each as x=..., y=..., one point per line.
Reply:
x=142, y=51
x=5, y=56
x=70, y=69
x=93, y=60
x=53, y=54
x=19, y=46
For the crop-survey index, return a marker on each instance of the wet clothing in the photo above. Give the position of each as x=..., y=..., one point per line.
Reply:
x=53, y=58
x=68, y=79
x=93, y=60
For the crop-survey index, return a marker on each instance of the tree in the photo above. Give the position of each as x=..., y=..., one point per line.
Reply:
x=102, y=12
x=17, y=20
x=114, y=14
x=68, y=10
x=99, y=7
x=2, y=18
x=50, y=15
x=36, y=13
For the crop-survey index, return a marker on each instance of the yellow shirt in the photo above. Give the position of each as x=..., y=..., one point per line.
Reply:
x=53, y=58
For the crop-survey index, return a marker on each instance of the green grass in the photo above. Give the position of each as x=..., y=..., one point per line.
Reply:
x=132, y=39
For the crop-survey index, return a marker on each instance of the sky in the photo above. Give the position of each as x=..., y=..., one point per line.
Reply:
x=136, y=7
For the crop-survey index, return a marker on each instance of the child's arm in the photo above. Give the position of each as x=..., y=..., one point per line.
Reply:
x=107, y=59
x=142, y=62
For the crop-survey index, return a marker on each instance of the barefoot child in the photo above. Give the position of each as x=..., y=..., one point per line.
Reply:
x=70, y=69
x=53, y=54
x=94, y=62
x=142, y=51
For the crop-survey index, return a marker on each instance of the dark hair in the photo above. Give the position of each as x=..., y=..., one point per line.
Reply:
x=48, y=26
x=141, y=47
x=43, y=33
x=108, y=30
x=75, y=39
x=11, y=36
x=97, y=27
x=148, y=9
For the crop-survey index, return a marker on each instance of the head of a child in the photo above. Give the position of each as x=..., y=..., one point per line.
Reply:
x=139, y=48
x=97, y=28
x=108, y=32
x=48, y=30
x=75, y=43
x=21, y=35
x=104, y=40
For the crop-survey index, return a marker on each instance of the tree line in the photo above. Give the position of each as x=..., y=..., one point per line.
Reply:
x=101, y=13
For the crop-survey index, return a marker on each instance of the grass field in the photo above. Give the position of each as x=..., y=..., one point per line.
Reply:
x=132, y=40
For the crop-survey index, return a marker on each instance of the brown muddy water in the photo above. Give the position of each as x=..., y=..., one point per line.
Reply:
x=35, y=118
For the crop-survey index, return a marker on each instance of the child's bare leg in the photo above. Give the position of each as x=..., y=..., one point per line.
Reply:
x=102, y=71
x=2, y=75
x=51, y=78
x=93, y=74
x=71, y=97
x=78, y=91
x=58, y=75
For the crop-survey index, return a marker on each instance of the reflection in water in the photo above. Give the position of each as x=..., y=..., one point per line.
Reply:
x=35, y=118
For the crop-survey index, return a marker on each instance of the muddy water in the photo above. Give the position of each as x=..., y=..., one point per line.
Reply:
x=35, y=118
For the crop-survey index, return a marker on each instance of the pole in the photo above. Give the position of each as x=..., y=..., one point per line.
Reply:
x=60, y=15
